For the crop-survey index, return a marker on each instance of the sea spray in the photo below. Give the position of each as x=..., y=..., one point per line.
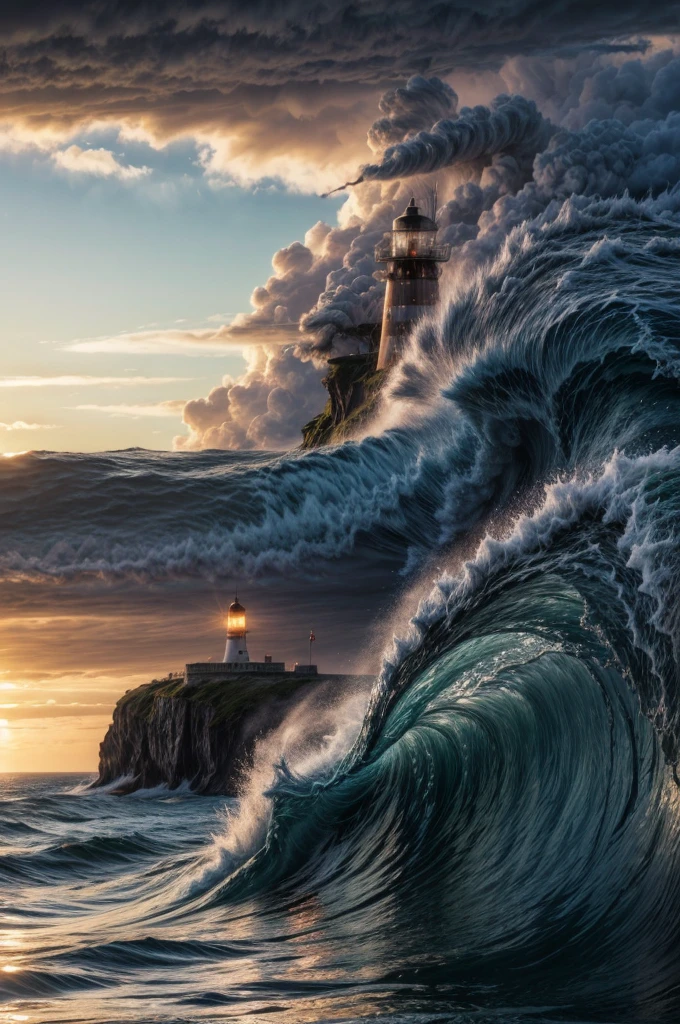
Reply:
x=304, y=750
x=502, y=832
x=506, y=389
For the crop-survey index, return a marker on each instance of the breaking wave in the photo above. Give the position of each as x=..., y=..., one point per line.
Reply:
x=510, y=811
x=503, y=832
x=505, y=827
x=509, y=388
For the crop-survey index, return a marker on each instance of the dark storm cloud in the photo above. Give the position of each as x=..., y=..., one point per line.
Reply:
x=510, y=125
x=265, y=43
x=186, y=66
x=410, y=109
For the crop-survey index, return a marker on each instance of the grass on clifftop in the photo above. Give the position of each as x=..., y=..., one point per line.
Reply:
x=323, y=430
x=230, y=698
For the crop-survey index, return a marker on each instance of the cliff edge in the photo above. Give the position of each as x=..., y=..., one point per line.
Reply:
x=166, y=732
x=353, y=386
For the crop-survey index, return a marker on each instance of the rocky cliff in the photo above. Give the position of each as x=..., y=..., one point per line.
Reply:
x=167, y=733
x=353, y=386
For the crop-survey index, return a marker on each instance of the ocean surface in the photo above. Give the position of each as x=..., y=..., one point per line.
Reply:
x=494, y=833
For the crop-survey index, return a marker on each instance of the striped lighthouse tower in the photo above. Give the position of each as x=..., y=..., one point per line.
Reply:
x=412, y=257
x=236, y=651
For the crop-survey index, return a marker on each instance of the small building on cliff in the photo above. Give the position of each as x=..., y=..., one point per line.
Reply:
x=236, y=656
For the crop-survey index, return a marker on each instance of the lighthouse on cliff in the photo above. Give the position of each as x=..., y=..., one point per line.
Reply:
x=236, y=658
x=413, y=257
x=236, y=651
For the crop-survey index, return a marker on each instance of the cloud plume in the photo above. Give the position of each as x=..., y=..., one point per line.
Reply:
x=409, y=109
x=511, y=125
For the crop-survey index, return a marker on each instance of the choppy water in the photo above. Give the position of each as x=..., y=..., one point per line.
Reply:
x=496, y=837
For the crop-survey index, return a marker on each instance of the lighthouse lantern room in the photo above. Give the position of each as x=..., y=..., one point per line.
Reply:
x=236, y=651
x=236, y=658
x=412, y=256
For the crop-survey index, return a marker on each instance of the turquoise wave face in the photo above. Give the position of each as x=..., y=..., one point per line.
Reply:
x=506, y=816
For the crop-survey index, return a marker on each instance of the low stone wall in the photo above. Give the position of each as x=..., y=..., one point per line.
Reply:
x=203, y=669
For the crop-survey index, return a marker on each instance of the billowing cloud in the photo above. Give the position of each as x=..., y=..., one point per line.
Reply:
x=263, y=409
x=100, y=163
x=572, y=93
x=171, y=408
x=283, y=91
x=605, y=157
x=22, y=425
x=83, y=381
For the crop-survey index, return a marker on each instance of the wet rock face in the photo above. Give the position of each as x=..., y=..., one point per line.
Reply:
x=353, y=386
x=167, y=733
x=174, y=743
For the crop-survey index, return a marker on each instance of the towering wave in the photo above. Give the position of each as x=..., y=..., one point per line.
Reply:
x=503, y=831
x=559, y=354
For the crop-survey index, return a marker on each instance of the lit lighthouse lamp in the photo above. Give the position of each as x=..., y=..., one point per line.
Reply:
x=236, y=658
x=412, y=278
x=236, y=651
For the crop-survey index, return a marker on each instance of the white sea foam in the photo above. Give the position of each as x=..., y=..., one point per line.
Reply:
x=310, y=742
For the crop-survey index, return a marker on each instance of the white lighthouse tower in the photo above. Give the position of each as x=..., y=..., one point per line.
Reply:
x=236, y=651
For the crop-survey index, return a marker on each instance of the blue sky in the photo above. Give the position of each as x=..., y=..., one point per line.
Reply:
x=92, y=256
